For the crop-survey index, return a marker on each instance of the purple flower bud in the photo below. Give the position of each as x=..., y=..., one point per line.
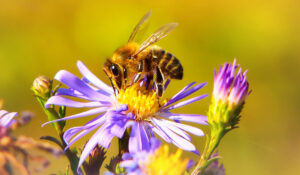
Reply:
x=229, y=94
x=96, y=158
x=230, y=88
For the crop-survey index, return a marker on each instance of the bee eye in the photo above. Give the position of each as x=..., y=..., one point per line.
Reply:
x=114, y=69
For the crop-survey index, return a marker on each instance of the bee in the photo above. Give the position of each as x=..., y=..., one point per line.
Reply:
x=132, y=61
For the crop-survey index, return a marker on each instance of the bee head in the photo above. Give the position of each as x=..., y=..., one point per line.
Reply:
x=116, y=73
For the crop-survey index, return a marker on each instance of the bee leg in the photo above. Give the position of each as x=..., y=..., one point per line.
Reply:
x=137, y=77
x=140, y=70
x=159, y=80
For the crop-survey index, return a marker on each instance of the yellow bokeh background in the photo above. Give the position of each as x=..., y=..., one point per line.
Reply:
x=42, y=37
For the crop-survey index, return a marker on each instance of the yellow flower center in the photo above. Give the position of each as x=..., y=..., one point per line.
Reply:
x=161, y=163
x=140, y=101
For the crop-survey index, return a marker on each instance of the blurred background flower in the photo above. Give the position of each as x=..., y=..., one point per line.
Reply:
x=42, y=37
x=15, y=152
x=155, y=161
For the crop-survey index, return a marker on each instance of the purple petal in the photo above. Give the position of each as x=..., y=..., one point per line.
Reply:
x=167, y=83
x=190, y=164
x=2, y=112
x=144, y=136
x=93, y=141
x=71, y=93
x=243, y=93
x=133, y=139
x=105, y=137
x=233, y=68
x=78, y=136
x=92, y=78
x=101, y=137
x=121, y=108
x=181, y=91
x=94, y=122
x=71, y=132
x=188, y=128
x=7, y=120
x=61, y=101
x=75, y=83
x=160, y=133
x=155, y=143
x=118, y=129
x=175, y=129
x=139, y=139
x=186, y=93
x=177, y=140
x=126, y=156
x=129, y=163
x=79, y=115
x=201, y=119
x=186, y=102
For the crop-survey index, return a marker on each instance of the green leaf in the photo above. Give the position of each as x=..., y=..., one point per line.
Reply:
x=52, y=139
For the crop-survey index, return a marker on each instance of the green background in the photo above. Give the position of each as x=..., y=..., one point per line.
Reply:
x=42, y=37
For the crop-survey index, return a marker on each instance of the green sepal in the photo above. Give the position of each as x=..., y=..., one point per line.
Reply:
x=52, y=115
x=221, y=115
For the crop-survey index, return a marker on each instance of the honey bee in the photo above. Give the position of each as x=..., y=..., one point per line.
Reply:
x=133, y=61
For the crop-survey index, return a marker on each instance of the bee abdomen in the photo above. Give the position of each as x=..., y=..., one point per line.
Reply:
x=170, y=65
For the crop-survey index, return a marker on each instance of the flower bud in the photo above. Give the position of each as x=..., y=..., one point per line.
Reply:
x=42, y=86
x=96, y=158
x=229, y=94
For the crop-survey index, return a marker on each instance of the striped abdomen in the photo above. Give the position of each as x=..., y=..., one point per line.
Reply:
x=168, y=63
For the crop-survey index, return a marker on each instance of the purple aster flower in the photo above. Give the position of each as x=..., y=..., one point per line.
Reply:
x=6, y=121
x=156, y=160
x=134, y=107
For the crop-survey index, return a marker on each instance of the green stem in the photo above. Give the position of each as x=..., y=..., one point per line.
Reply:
x=72, y=156
x=212, y=143
x=52, y=115
x=59, y=126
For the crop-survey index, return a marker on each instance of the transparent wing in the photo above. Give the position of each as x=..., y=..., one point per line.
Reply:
x=157, y=35
x=140, y=27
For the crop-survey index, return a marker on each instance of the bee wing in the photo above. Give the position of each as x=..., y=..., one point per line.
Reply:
x=140, y=27
x=157, y=35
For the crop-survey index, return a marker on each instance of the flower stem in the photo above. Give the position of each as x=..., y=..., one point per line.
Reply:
x=71, y=155
x=59, y=126
x=212, y=143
